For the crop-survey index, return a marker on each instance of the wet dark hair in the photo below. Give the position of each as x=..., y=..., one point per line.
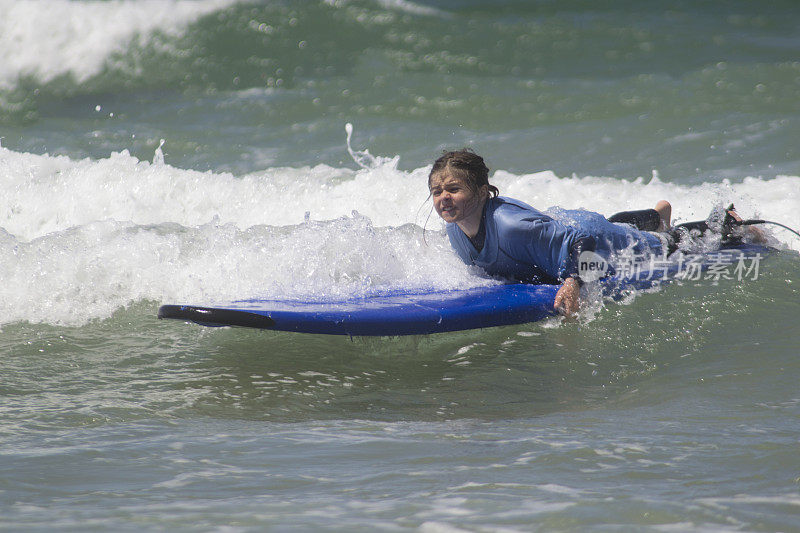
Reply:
x=467, y=166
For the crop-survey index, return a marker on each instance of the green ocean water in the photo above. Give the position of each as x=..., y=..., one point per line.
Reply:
x=674, y=409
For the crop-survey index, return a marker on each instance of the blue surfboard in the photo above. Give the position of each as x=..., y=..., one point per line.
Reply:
x=418, y=313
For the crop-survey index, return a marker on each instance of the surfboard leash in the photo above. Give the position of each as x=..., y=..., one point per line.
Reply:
x=754, y=221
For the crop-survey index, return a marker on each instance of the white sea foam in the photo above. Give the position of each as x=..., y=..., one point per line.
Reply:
x=43, y=194
x=51, y=38
x=90, y=271
x=81, y=239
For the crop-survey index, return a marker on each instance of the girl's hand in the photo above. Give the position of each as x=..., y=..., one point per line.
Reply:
x=568, y=297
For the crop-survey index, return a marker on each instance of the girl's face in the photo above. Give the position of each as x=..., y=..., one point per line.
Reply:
x=453, y=200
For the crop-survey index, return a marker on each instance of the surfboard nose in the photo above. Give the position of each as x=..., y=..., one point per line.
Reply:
x=208, y=316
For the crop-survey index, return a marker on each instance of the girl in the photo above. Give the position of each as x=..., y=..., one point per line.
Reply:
x=511, y=239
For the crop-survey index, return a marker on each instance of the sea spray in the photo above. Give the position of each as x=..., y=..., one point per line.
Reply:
x=89, y=271
x=81, y=239
x=43, y=194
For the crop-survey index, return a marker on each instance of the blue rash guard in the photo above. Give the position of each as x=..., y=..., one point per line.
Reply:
x=527, y=245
